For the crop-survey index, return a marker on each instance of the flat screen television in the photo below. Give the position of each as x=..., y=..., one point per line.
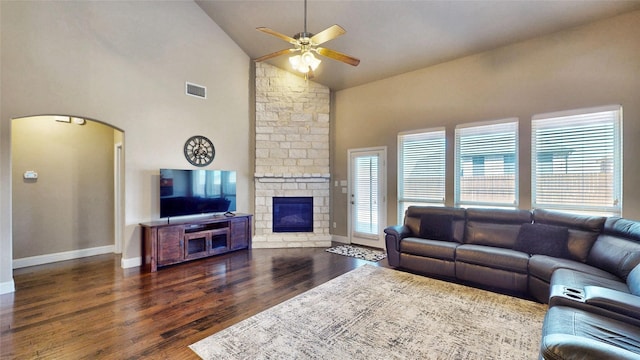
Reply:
x=195, y=192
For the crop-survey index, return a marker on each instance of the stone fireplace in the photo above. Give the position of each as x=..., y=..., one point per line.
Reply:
x=291, y=154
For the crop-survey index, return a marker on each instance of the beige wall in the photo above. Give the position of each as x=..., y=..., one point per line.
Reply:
x=70, y=205
x=125, y=64
x=597, y=64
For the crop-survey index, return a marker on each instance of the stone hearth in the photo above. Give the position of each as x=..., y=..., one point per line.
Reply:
x=292, y=154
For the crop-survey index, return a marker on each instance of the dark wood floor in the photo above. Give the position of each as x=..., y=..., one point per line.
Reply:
x=91, y=308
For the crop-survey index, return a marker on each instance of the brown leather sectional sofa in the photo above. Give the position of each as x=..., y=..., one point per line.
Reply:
x=585, y=267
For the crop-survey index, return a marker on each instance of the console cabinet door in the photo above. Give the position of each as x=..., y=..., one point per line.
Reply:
x=240, y=233
x=219, y=241
x=196, y=244
x=170, y=245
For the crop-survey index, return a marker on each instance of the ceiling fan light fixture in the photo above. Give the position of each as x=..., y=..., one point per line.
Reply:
x=303, y=62
x=306, y=43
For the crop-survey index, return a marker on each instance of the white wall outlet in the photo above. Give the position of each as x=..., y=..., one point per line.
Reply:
x=30, y=174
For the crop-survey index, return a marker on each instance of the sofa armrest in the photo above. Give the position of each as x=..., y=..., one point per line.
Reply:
x=392, y=239
x=617, y=301
x=399, y=231
x=396, y=233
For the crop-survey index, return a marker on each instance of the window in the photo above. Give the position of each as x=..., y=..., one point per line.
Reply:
x=486, y=163
x=576, y=160
x=366, y=196
x=421, y=169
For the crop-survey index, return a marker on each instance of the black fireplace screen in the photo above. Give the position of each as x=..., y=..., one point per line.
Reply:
x=293, y=214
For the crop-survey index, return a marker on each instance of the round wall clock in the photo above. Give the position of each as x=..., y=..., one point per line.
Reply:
x=199, y=150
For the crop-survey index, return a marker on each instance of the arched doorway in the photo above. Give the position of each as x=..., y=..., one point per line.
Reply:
x=66, y=188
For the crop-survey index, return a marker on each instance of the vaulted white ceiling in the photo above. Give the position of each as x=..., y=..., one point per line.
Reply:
x=396, y=36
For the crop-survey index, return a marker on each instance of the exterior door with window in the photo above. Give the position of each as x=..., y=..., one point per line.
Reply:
x=367, y=196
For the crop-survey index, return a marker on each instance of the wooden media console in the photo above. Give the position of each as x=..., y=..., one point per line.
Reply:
x=168, y=243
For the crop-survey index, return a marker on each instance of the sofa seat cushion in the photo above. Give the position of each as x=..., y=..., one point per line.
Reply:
x=543, y=266
x=577, y=334
x=579, y=279
x=498, y=258
x=428, y=266
x=444, y=250
x=571, y=347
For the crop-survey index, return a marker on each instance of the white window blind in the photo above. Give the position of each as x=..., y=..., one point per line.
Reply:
x=577, y=160
x=421, y=169
x=366, y=195
x=486, y=164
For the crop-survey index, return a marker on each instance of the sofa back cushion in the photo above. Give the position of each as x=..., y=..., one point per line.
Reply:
x=583, y=230
x=414, y=215
x=495, y=227
x=617, y=249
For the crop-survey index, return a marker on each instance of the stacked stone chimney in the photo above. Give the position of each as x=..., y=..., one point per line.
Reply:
x=292, y=154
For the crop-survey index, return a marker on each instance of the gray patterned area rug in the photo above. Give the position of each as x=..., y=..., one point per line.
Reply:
x=379, y=313
x=358, y=252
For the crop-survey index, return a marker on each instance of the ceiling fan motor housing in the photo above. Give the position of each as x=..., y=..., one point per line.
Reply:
x=304, y=37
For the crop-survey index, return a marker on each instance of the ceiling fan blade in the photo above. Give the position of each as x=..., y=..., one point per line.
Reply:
x=272, y=55
x=327, y=34
x=284, y=37
x=338, y=56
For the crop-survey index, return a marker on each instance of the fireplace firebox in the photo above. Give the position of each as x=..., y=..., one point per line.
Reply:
x=293, y=214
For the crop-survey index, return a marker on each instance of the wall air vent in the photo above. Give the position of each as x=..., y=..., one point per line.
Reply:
x=198, y=91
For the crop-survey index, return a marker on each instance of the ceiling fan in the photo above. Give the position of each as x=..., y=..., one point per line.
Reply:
x=306, y=44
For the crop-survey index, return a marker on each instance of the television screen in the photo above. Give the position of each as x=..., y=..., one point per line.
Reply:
x=193, y=192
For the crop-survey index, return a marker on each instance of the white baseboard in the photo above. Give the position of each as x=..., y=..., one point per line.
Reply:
x=340, y=239
x=61, y=256
x=7, y=287
x=130, y=263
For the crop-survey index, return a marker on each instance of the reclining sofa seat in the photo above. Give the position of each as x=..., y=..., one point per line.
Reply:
x=569, y=333
x=599, y=323
x=487, y=256
x=406, y=248
x=617, y=251
x=583, y=233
